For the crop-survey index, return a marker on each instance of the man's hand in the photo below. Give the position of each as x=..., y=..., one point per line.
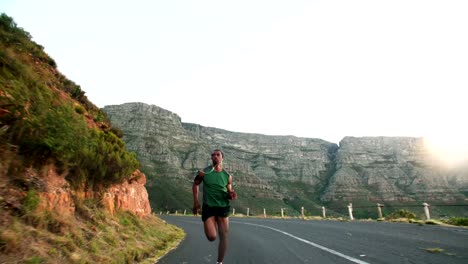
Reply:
x=232, y=195
x=196, y=208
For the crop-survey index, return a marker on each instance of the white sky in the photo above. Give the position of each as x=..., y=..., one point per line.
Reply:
x=317, y=69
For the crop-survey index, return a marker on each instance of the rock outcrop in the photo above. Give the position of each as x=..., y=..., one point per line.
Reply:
x=128, y=196
x=54, y=194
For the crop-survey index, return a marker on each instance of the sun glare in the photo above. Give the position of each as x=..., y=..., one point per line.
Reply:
x=451, y=149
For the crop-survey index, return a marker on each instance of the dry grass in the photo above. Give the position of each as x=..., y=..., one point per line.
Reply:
x=51, y=238
x=434, y=250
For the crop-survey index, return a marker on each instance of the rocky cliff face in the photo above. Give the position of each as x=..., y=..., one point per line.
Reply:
x=264, y=161
x=388, y=169
x=55, y=194
x=152, y=132
x=131, y=195
x=284, y=170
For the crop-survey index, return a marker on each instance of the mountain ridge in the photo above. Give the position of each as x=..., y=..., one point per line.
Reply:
x=283, y=171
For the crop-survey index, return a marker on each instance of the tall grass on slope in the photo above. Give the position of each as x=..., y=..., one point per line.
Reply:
x=94, y=237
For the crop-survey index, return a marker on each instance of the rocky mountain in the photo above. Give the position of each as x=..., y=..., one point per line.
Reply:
x=282, y=171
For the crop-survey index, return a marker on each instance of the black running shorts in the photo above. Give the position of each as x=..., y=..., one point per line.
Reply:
x=208, y=211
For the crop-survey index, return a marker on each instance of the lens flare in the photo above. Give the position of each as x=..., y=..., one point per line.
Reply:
x=451, y=148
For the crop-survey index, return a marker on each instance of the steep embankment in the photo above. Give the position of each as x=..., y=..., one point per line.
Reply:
x=275, y=172
x=69, y=189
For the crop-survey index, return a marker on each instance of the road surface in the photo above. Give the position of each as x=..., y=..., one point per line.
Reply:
x=289, y=241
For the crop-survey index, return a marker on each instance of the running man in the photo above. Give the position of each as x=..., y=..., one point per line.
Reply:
x=217, y=191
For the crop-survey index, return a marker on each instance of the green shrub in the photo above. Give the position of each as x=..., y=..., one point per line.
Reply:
x=79, y=109
x=104, y=160
x=7, y=24
x=458, y=221
x=402, y=213
x=100, y=117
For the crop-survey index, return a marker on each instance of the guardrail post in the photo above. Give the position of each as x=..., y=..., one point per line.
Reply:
x=324, y=212
x=426, y=211
x=185, y=211
x=282, y=212
x=302, y=212
x=264, y=213
x=233, y=211
x=379, y=209
x=350, y=211
x=248, y=209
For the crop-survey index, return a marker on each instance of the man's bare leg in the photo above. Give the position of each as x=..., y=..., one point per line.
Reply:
x=210, y=228
x=223, y=229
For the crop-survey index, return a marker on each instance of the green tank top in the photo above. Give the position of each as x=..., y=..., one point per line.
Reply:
x=215, y=188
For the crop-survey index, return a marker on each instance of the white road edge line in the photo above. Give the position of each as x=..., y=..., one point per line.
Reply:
x=334, y=252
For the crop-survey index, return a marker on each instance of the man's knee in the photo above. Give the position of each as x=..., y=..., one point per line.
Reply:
x=211, y=237
x=223, y=235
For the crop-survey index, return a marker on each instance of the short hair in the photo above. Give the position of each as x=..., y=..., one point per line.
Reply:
x=222, y=153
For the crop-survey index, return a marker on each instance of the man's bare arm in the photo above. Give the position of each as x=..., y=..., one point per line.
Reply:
x=232, y=194
x=229, y=186
x=195, y=190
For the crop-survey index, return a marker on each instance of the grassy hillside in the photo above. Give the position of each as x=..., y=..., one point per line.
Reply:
x=45, y=115
x=92, y=236
x=47, y=119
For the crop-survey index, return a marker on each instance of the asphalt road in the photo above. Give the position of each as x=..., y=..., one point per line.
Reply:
x=255, y=240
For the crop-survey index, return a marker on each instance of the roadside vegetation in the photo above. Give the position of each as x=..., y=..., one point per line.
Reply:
x=92, y=236
x=458, y=221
